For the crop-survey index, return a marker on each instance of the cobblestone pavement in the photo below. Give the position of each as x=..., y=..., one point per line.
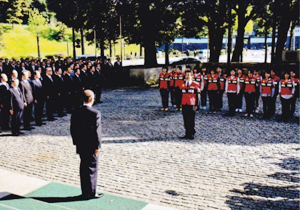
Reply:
x=233, y=163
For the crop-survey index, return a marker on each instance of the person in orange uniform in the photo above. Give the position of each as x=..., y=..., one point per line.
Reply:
x=190, y=102
x=198, y=78
x=250, y=93
x=232, y=89
x=172, y=83
x=164, y=79
x=276, y=82
x=286, y=91
x=257, y=92
x=213, y=88
x=222, y=88
x=204, y=90
x=239, y=103
x=266, y=91
x=296, y=83
x=179, y=81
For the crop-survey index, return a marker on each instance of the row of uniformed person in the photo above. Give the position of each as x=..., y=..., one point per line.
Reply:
x=236, y=86
x=58, y=91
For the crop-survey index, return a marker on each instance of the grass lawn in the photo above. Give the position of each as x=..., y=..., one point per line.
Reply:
x=20, y=42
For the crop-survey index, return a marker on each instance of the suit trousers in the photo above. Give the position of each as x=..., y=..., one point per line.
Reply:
x=189, y=113
x=286, y=108
x=250, y=102
x=27, y=114
x=172, y=91
x=178, y=96
x=5, y=117
x=50, y=105
x=293, y=104
x=273, y=105
x=239, y=101
x=267, y=105
x=16, y=121
x=232, y=102
x=257, y=94
x=164, y=93
x=203, y=97
x=213, y=100
x=88, y=173
x=38, y=112
x=220, y=99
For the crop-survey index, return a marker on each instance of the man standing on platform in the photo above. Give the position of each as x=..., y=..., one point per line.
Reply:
x=86, y=134
x=190, y=102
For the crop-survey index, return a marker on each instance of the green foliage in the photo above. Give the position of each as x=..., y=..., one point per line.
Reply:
x=37, y=22
x=17, y=9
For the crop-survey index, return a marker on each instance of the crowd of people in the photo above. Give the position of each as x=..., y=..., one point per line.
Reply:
x=215, y=83
x=27, y=87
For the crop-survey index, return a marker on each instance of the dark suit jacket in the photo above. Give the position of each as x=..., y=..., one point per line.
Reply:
x=49, y=87
x=77, y=84
x=27, y=91
x=17, y=100
x=86, y=129
x=85, y=80
x=4, y=95
x=59, y=85
x=69, y=85
x=38, y=92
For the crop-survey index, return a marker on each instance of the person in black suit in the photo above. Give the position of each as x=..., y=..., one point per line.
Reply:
x=59, y=92
x=4, y=102
x=27, y=93
x=38, y=96
x=99, y=81
x=16, y=107
x=85, y=78
x=78, y=89
x=86, y=134
x=69, y=85
x=49, y=88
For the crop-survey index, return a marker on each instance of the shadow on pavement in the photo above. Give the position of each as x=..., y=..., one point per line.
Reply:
x=260, y=196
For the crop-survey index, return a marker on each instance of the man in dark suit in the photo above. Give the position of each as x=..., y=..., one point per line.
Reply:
x=49, y=88
x=99, y=81
x=86, y=134
x=85, y=78
x=4, y=102
x=69, y=85
x=60, y=92
x=16, y=107
x=27, y=93
x=78, y=89
x=39, y=98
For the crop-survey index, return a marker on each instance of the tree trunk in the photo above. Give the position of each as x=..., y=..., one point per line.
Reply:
x=215, y=43
x=239, y=44
x=291, y=35
x=266, y=45
x=273, y=41
x=167, y=53
x=82, y=41
x=73, y=39
x=110, y=49
x=229, y=43
x=38, y=45
x=141, y=50
x=102, y=48
x=283, y=29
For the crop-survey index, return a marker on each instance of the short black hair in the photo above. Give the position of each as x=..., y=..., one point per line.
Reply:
x=180, y=67
x=188, y=67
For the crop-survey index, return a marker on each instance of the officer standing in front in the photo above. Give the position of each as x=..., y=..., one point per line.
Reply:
x=86, y=134
x=190, y=102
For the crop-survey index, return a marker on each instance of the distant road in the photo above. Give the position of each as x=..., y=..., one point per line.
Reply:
x=255, y=56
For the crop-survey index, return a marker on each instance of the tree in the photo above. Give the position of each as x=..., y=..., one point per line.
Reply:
x=17, y=9
x=284, y=11
x=245, y=10
x=213, y=15
x=37, y=23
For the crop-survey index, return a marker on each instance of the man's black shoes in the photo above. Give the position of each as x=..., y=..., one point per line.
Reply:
x=191, y=137
x=88, y=197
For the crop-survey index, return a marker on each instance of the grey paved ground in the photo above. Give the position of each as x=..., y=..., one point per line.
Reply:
x=233, y=163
